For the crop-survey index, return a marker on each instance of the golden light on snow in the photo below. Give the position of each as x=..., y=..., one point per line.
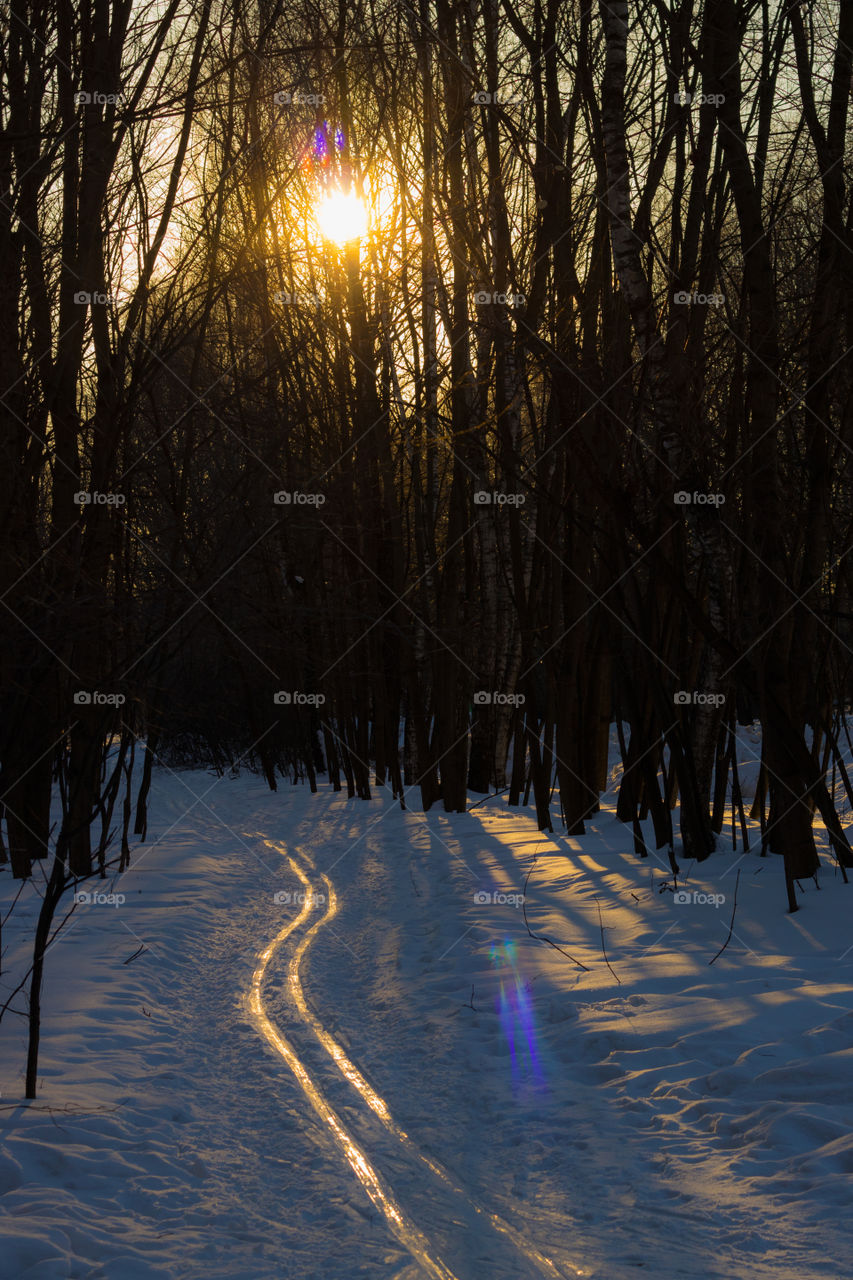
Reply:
x=403, y=1228
x=342, y=217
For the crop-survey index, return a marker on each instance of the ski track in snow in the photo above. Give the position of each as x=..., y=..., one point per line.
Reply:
x=380, y=1193
x=693, y=1120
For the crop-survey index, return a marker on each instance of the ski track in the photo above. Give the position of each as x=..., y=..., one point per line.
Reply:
x=380, y=1192
x=381, y=1195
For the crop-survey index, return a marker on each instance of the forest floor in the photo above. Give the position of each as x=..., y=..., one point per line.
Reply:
x=341, y=1054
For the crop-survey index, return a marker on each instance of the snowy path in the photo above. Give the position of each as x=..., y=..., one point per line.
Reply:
x=381, y=1195
x=480, y=1105
x=531, y=1260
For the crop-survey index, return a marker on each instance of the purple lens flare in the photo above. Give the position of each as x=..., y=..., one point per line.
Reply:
x=515, y=1010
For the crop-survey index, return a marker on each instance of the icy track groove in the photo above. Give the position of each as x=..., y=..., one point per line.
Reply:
x=409, y=1235
x=381, y=1195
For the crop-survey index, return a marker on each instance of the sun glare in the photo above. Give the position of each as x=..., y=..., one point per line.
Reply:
x=342, y=217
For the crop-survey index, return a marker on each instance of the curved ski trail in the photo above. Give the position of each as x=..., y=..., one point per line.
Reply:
x=405, y=1230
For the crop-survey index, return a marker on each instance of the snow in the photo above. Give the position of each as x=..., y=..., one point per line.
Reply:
x=522, y=1116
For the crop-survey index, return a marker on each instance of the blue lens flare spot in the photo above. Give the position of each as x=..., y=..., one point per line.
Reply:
x=514, y=1007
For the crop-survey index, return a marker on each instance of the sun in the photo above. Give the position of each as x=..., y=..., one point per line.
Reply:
x=341, y=217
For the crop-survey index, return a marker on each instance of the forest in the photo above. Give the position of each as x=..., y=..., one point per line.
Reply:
x=403, y=395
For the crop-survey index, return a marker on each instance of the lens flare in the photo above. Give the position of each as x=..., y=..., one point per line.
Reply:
x=515, y=1011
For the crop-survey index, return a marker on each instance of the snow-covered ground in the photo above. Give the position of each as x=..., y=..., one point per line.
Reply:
x=343, y=1055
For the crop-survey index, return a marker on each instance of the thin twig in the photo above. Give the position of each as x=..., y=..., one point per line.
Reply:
x=731, y=924
x=603, y=951
x=485, y=798
x=14, y=900
x=75, y=880
x=540, y=937
x=67, y=1110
